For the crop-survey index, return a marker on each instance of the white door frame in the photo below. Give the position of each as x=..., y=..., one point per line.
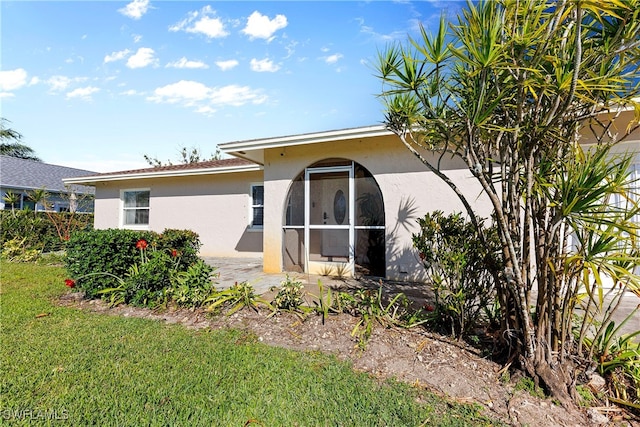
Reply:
x=316, y=266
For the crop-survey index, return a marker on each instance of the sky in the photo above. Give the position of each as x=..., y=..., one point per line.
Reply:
x=99, y=85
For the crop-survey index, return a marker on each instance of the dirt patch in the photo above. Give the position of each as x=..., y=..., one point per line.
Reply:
x=416, y=356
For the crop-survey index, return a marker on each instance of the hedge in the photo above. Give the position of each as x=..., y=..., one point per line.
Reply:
x=101, y=259
x=38, y=229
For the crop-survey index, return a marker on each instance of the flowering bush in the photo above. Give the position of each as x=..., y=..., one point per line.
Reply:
x=156, y=279
x=139, y=263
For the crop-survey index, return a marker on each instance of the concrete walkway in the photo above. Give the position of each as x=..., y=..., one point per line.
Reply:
x=238, y=270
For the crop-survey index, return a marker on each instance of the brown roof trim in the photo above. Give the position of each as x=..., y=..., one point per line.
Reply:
x=190, y=169
x=210, y=164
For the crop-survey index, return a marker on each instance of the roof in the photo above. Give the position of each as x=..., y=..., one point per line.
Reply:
x=189, y=169
x=31, y=175
x=248, y=156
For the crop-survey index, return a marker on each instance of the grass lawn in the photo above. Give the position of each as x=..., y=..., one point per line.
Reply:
x=64, y=366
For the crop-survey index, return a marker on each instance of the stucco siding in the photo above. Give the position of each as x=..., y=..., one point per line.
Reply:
x=107, y=206
x=409, y=191
x=217, y=207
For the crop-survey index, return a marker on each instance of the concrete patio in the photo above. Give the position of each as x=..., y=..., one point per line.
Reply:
x=238, y=270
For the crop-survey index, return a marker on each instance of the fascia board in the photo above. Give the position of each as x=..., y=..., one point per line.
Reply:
x=304, y=139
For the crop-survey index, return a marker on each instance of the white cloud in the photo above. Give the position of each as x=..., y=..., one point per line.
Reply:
x=136, y=38
x=210, y=27
x=291, y=48
x=204, y=99
x=202, y=22
x=332, y=59
x=185, y=63
x=130, y=92
x=142, y=58
x=227, y=65
x=184, y=91
x=263, y=65
x=135, y=9
x=58, y=83
x=206, y=110
x=83, y=93
x=12, y=79
x=116, y=56
x=259, y=26
x=236, y=95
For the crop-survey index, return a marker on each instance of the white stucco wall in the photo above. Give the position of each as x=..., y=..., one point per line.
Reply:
x=217, y=207
x=408, y=189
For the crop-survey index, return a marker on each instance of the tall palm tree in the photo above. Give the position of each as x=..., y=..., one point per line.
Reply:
x=10, y=144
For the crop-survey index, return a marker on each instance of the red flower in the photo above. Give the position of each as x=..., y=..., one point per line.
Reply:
x=70, y=283
x=429, y=307
x=174, y=253
x=141, y=244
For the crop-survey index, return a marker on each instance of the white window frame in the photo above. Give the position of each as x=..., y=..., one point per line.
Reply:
x=253, y=206
x=122, y=209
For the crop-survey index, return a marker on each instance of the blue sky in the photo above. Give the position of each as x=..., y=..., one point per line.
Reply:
x=97, y=85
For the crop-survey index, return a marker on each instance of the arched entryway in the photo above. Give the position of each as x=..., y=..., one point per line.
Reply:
x=333, y=221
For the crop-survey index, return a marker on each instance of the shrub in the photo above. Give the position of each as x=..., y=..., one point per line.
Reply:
x=40, y=229
x=458, y=265
x=146, y=282
x=185, y=242
x=14, y=251
x=290, y=296
x=101, y=259
x=192, y=287
x=110, y=251
x=239, y=296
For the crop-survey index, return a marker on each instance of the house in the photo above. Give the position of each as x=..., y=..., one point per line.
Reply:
x=344, y=200
x=19, y=177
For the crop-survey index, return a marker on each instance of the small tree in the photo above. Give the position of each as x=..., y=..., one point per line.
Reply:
x=12, y=199
x=507, y=90
x=187, y=156
x=66, y=223
x=39, y=196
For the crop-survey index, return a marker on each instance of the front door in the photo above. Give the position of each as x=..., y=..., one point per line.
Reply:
x=329, y=220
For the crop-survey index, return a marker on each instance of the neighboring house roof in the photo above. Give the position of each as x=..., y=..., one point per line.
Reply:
x=189, y=169
x=31, y=175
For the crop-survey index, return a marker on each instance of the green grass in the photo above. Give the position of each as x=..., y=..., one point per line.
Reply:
x=72, y=367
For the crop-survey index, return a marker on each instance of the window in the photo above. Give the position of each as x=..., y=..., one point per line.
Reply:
x=135, y=207
x=257, y=206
